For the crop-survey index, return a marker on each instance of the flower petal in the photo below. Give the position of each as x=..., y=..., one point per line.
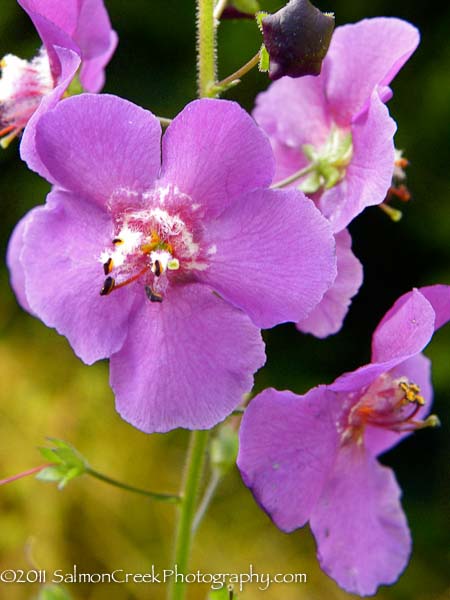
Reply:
x=62, y=244
x=55, y=23
x=439, y=298
x=69, y=62
x=405, y=329
x=364, y=57
x=93, y=29
x=94, y=145
x=186, y=362
x=14, y=262
x=362, y=535
x=295, y=112
x=328, y=316
x=271, y=254
x=418, y=370
x=288, y=445
x=369, y=174
x=92, y=74
x=214, y=151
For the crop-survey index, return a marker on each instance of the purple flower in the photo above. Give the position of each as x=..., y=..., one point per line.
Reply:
x=314, y=457
x=73, y=32
x=336, y=129
x=168, y=270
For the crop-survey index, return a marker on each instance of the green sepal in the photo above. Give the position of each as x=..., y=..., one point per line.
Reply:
x=67, y=463
x=224, y=449
x=259, y=19
x=54, y=592
x=264, y=60
x=311, y=184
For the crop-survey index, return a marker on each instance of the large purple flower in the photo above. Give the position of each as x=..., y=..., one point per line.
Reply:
x=336, y=129
x=313, y=457
x=73, y=32
x=168, y=270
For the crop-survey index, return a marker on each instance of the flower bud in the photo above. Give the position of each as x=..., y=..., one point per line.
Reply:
x=297, y=38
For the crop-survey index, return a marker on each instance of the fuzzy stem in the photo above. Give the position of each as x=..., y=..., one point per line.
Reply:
x=192, y=479
x=206, y=47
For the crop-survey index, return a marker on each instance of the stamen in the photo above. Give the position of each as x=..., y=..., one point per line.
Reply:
x=108, y=286
x=152, y=295
x=131, y=279
x=157, y=271
x=117, y=242
x=108, y=266
x=412, y=393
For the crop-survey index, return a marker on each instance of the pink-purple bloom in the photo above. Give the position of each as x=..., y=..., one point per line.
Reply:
x=168, y=267
x=337, y=130
x=314, y=457
x=75, y=34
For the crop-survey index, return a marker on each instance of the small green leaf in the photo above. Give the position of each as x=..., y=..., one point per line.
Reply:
x=68, y=463
x=54, y=592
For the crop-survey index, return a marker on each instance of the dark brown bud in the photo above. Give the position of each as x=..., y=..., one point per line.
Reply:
x=297, y=38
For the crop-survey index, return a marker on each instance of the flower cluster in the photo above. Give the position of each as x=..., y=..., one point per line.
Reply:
x=167, y=255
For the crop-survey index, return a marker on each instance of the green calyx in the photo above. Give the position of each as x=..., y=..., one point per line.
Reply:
x=327, y=163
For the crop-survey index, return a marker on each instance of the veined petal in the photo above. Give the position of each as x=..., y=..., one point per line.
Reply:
x=94, y=145
x=295, y=112
x=215, y=152
x=272, y=254
x=187, y=361
x=362, y=535
x=328, y=316
x=69, y=62
x=364, y=57
x=288, y=445
x=92, y=74
x=369, y=174
x=405, y=329
x=439, y=298
x=14, y=262
x=62, y=243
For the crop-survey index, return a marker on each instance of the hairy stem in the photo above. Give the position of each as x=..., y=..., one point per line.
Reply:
x=206, y=47
x=192, y=479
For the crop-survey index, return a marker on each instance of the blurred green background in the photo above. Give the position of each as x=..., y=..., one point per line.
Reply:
x=46, y=391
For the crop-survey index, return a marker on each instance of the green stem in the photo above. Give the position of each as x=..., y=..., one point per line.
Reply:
x=206, y=48
x=234, y=77
x=124, y=486
x=293, y=177
x=192, y=479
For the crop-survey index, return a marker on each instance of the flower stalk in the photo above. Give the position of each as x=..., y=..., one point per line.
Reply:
x=192, y=479
x=206, y=48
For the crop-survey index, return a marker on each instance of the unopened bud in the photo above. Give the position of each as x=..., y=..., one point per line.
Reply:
x=297, y=38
